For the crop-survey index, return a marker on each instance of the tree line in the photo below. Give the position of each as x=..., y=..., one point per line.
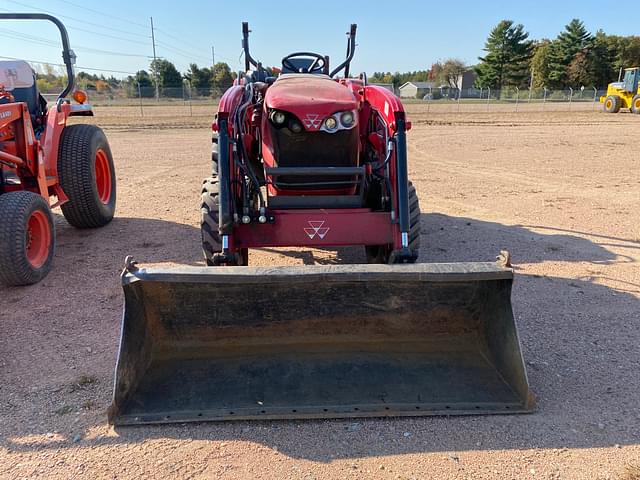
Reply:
x=162, y=74
x=575, y=58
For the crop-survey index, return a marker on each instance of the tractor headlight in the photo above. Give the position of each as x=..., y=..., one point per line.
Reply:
x=344, y=120
x=331, y=123
x=278, y=117
x=347, y=119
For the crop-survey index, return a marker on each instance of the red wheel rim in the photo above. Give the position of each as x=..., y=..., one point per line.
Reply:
x=38, y=239
x=103, y=176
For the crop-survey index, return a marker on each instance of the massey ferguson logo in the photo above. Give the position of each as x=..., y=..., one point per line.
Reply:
x=316, y=229
x=312, y=121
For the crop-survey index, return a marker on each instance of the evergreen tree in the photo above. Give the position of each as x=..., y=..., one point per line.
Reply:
x=507, y=60
x=604, y=59
x=574, y=39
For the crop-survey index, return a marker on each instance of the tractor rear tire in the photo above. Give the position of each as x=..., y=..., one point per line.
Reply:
x=87, y=176
x=612, y=104
x=635, y=104
x=382, y=253
x=209, y=224
x=27, y=238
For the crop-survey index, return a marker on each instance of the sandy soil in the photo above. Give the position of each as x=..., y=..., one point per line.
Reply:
x=560, y=190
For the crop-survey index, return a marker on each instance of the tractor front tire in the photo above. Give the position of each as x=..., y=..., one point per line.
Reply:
x=214, y=154
x=612, y=104
x=383, y=253
x=209, y=220
x=27, y=238
x=635, y=105
x=87, y=176
x=209, y=226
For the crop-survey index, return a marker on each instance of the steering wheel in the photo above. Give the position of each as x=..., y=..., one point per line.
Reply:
x=317, y=66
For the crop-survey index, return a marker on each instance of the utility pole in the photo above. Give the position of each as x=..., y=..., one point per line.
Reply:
x=530, y=85
x=213, y=74
x=153, y=42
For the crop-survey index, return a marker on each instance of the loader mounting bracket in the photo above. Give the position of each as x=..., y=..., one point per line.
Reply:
x=404, y=255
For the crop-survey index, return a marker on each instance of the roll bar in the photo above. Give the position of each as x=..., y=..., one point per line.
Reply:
x=248, y=59
x=351, y=50
x=68, y=56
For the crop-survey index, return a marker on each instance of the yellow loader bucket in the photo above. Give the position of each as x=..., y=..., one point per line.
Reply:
x=334, y=341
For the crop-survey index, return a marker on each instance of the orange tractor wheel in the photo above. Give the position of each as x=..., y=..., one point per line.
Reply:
x=87, y=176
x=27, y=238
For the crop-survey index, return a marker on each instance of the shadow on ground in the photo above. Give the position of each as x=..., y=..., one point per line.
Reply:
x=579, y=340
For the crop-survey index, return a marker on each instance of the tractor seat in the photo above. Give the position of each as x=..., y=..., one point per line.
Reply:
x=18, y=77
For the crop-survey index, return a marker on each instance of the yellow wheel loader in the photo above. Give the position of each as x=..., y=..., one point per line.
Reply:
x=623, y=94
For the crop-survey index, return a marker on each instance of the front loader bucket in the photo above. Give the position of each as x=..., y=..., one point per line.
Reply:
x=317, y=342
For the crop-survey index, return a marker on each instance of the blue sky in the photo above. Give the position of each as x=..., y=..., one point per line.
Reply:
x=403, y=35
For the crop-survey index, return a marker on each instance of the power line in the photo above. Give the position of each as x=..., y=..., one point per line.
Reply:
x=74, y=28
x=175, y=50
x=123, y=20
x=8, y=33
x=62, y=65
x=178, y=39
x=183, y=52
x=78, y=20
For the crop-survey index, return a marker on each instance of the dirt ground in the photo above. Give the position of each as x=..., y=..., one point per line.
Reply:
x=560, y=190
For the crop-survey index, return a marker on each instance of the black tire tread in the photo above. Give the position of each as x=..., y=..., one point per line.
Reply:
x=209, y=219
x=76, y=170
x=616, y=104
x=15, y=208
x=381, y=254
x=633, y=103
x=214, y=154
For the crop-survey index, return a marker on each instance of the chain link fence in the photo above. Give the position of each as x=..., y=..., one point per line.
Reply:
x=442, y=99
x=513, y=98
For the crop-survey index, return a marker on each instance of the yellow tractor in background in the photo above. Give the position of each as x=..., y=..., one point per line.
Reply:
x=623, y=94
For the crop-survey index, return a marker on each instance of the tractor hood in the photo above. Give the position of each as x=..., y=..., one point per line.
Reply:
x=310, y=97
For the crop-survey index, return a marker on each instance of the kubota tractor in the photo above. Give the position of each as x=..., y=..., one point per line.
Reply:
x=313, y=159
x=42, y=157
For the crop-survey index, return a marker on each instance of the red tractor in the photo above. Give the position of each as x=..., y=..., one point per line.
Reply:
x=42, y=157
x=310, y=160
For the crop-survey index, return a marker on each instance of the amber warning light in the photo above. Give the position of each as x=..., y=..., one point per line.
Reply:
x=80, y=96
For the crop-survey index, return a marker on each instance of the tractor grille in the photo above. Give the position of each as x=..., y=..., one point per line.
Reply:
x=315, y=149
